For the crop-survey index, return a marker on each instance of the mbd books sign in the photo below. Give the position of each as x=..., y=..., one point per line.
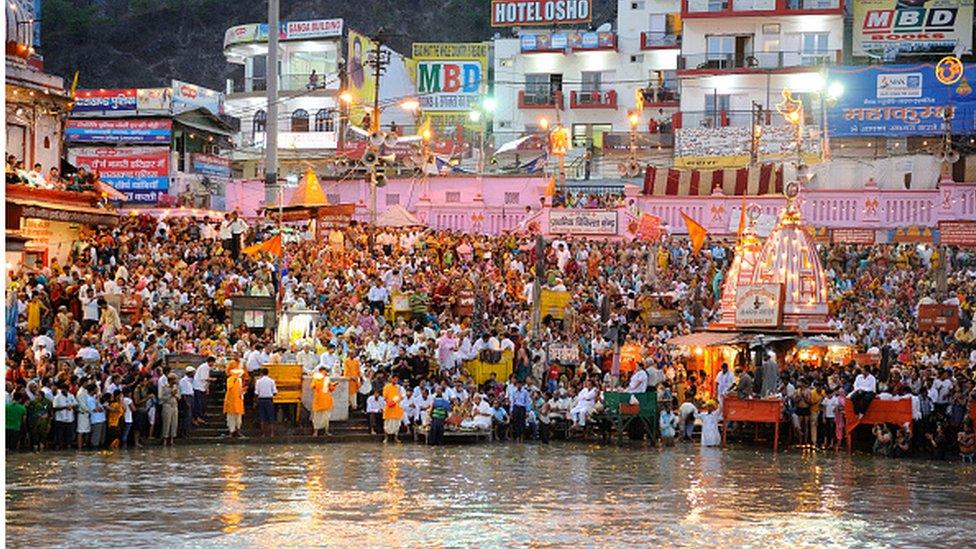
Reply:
x=758, y=305
x=450, y=77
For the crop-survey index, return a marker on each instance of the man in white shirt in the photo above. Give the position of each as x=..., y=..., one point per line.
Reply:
x=201, y=387
x=307, y=359
x=186, y=400
x=724, y=382
x=482, y=413
x=237, y=229
x=64, y=416
x=638, y=382
x=256, y=359
x=374, y=411
x=265, y=389
x=865, y=387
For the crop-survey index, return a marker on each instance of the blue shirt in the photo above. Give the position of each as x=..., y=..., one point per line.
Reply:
x=521, y=398
x=96, y=417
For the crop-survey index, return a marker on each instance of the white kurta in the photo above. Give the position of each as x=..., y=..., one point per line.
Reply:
x=709, y=434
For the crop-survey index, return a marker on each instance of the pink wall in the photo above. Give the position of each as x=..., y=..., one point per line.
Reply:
x=495, y=204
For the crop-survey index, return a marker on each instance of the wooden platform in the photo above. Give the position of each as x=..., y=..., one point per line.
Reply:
x=454, y=436
x=753, y=410
x=898, y=412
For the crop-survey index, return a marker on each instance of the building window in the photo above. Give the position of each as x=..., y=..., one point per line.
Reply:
x=260, y=122
x=511, y=199
x=452, y=197
x=813, y=48
x=715, y=105
x=537, y=89
x=591, y=81
x=719, y=51
x=299, y=120
x=324, y=121
x=392, y=199
x=334, y=198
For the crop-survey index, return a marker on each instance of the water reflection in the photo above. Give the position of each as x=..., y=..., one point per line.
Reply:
x=497, y=495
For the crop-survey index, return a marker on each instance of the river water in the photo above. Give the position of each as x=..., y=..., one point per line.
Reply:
x=576, y=495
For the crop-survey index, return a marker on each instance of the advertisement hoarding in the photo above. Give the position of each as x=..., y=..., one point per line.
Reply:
x=521, y=13
x=210, y=165
x=885, y=28
x=142, y=173
x=154, y=99
x=899, y=101
x=572, y=40
x=450, y=77
x=114, y=100
x=360, y=77
x=188, y=96
x=118, y=130
x=287, y=30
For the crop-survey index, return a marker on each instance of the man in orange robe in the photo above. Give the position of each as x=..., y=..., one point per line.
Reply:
x=350, y=369
x=234, y=398
x=321, y=401
x=393, y=411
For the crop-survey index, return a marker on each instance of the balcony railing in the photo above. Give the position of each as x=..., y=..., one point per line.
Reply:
x=750, y=6
x=287, y=82
x=540, y=99
x=659, y=40
x=760, y=60
x=593, y=99
x=738, y=118
x=660, y=96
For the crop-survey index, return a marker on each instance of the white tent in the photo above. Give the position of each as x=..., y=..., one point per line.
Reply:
x=397, y=216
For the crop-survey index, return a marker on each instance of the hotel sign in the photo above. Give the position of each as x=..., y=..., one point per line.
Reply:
x=583, y=222
x=758, y=305
x=522, y=13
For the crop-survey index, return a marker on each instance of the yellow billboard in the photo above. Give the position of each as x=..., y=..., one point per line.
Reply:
x=361, y=83
x=450, y=77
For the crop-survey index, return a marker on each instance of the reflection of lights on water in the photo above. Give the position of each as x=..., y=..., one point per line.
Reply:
x=233, y=486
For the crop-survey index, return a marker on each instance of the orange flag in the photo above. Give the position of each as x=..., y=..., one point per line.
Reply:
x=550, y=187
x=696, y=233
x=272, y=246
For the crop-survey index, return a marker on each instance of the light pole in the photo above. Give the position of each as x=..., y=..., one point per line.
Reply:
x=828, y=94
x=271, y=127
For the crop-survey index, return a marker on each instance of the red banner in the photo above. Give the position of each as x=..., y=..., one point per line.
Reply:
x=957, y=233
x=938, y=317
x=333, y=217
x=853, y=236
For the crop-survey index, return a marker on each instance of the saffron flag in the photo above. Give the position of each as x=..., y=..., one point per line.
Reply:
x=696, y=233
x=551, y=187
x=272, y=246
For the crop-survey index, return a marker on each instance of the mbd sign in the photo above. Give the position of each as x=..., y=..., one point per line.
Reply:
x=448, y=85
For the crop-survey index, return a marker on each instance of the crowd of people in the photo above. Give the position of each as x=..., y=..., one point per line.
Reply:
x=76, y=360
x=17, y=173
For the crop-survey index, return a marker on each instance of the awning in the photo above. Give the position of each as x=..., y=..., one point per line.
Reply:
x=704, y=339
x=201, y=119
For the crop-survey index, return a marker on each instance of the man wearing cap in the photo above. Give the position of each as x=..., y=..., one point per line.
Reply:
x=321, y=401
x=392, y=411
x=234, y=398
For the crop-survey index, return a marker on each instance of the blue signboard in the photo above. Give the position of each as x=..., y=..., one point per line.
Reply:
x=114, y=130
x=899, y=101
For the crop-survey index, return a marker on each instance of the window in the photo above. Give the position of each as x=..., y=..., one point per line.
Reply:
x=813, y=48
x=511, y=199
x=259, y=123
x=537, y=88
x=715, y=105
x=719, y=47
x=324, y=121
x=299, y=120
x=452, y=197
x=591, y=81
x=334, y=198
x=392, y=199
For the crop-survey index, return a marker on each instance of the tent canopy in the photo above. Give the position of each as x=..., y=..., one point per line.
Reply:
x=397, y=216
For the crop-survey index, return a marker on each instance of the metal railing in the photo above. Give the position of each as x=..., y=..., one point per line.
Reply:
x=759, y=60
x=659, y=40
x=740, y=118
x=660, y=94
x=287, y=82
x=593, y=99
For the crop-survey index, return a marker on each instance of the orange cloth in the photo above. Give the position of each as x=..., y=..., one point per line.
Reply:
x=350, y=369
x=321, y=394
x=630, y=357
x=391, y=394
x=272, y=246
x=234, y=396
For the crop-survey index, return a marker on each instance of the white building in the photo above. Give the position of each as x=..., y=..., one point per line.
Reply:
x=310, y=80
x=737, y=52
x=588, y=81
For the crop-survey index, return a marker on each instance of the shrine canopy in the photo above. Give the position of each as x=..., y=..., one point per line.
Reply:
x=740, y=271
x=397, y=216
x=789, y=269
x=305, y=202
